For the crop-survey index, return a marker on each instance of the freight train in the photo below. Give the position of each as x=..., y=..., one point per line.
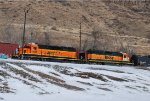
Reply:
x=69, y=54
x=7, y=50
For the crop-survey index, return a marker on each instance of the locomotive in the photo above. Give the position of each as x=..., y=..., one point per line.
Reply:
x=69, y=54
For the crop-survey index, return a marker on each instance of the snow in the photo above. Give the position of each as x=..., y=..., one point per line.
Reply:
x=135, y=87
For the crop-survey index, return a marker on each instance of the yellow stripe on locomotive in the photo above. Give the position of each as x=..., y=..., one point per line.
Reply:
x=105, y=56
x=36, y=51
x=43, y=51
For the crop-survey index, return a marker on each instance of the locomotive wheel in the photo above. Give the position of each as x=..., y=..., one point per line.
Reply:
x=102, y=63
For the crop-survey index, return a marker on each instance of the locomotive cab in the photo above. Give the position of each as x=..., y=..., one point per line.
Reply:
x=34, y=48
x=24, y=50
x=30, y=48
x=126, y=57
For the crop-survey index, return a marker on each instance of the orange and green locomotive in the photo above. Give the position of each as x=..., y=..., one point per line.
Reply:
x=57, y=53
x=45, y=52
x=104, y=57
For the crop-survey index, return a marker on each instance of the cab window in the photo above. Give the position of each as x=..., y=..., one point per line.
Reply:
x=34, y=48
x=125, y=56
x=24, y=51
x=26, y=46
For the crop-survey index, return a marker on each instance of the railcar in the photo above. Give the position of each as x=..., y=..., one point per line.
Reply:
x=103, y=57
x=57, y=53
x=8, y=49
x=45, y=52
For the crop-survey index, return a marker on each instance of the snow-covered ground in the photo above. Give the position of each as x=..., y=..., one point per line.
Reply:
x=22, y=80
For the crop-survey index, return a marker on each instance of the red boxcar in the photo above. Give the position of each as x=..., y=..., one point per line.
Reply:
x=8, y=49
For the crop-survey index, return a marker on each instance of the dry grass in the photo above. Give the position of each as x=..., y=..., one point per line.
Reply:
x=60, y=21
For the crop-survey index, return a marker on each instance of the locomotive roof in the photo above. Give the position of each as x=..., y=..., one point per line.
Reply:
x=105, y=52
x=57, y=48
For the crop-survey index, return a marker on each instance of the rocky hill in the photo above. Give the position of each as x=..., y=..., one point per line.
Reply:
x=116, y=25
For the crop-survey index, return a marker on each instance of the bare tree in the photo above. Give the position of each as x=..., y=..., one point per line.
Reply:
x=47, y=38
x=34, y=37
x=96, y=33
x=31, y=37
x=126, y=48
x=9, y=35
x=85, y=45
x=148, y=36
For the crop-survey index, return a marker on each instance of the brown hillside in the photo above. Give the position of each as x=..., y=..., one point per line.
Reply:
x=119, y=25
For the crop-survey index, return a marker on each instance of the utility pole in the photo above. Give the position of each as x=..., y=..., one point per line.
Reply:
x=80, y=37
x=24, y=31
x=80, y=44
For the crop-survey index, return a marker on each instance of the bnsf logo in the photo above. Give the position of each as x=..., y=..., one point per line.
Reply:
x=109, y=57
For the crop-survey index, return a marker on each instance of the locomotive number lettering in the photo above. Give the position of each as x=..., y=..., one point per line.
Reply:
x=53, y=53
x=109, y=57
